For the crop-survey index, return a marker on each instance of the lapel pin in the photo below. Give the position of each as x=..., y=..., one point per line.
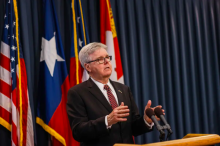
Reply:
x=119, y=91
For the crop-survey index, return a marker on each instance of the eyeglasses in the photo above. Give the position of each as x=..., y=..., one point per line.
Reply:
x=102, y=60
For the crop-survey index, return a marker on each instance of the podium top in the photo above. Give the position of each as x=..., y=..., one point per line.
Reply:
x=189, y=139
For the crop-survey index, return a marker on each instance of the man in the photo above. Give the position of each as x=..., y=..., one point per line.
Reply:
x=103, y=112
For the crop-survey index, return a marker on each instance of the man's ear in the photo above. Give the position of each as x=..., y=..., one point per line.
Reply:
x=87, y=67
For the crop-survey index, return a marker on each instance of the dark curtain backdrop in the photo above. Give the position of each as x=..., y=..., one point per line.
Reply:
x=169, y=50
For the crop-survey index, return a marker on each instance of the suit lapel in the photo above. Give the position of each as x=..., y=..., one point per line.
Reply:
x=93, y=88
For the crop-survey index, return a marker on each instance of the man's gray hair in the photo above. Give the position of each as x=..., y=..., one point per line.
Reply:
x=89, y=49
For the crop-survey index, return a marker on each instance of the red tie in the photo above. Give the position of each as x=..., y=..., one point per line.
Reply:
x=111, y=97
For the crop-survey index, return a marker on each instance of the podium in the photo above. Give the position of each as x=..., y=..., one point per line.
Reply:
x=189, y=140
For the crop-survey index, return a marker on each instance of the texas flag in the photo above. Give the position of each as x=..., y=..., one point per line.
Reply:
x=53, y=81
x=79, y=39
x=109, y=37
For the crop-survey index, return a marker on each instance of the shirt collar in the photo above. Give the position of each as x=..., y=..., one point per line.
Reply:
x=100, y=85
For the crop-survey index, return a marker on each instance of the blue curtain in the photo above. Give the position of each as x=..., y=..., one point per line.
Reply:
x=169, y=50
x=170, y=55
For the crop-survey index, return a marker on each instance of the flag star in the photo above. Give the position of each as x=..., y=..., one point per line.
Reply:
x=12, y=70
x=49, y=54
x=12, y=59
x=13, y=48
x=5, y=16
x=7, y=26
x=80, y=42
x=54, y=33
x=13, y=36
x=78, y=18
x=13, y=23
x=9, y=1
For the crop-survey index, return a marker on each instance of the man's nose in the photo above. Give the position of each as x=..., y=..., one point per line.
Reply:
x=105, y=61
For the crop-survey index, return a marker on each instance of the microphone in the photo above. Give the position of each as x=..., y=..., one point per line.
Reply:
x=159, y=113
x=150, y=113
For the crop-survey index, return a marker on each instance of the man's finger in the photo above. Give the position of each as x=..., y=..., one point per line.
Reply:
x=160, y=106
x=148, y=104
x=123, y=115
x=121, y=119
x=123, y=111
x=122, y=104
x=156, y=107
x=121, y=107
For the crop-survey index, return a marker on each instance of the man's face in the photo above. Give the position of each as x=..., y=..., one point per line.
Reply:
x=97, y=70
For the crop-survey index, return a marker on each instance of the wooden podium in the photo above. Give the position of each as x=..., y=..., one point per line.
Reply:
x=188, y=140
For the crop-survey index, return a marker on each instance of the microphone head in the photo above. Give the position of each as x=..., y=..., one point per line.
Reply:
x=158, y=111
x=149, y=112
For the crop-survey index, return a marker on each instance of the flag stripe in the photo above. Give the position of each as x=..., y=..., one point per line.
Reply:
x=5, y=49
x=5, y=114
x=13, y=143
x=4, y=62
x=5, y=75
x=24, y=100
x=14, y=134
x=14, y=98
x=5, y=102
x=5, y=89
x=16, y=115
x=29, y=133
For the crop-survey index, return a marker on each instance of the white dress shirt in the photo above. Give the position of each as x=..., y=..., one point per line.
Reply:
x=101, y=87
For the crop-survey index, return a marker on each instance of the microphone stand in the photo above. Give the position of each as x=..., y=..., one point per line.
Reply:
x=167, y=127
x=162, y=133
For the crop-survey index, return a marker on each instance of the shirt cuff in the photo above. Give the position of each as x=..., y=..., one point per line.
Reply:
x=149, y=125
x=106, y=123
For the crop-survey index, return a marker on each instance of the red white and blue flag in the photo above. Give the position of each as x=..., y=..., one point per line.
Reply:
x=53, y=81
x=109, y=37
x=15, y=111
x=79, y=39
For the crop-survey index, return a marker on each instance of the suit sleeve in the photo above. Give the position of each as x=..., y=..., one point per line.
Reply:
x=138, y=125
x=82, y=128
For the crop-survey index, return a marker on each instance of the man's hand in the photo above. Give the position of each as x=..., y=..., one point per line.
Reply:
x=118, y=114
x=148, y=119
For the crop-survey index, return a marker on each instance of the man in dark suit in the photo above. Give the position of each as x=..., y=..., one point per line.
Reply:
x=103, y=112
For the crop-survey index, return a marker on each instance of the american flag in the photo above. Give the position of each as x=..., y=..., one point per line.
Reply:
x=15, y=112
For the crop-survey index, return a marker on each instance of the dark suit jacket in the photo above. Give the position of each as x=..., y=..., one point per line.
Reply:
x=87, y=108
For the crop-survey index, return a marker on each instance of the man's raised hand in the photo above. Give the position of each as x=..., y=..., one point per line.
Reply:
x=118, y=114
